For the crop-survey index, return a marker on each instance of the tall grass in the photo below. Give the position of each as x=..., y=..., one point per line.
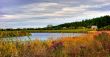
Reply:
x=90, y=45
x=4, y=34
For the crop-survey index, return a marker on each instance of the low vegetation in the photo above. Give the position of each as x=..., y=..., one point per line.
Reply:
x=5, y=34
x=80, y=30
x=105, y=28
x=90, y=45
x=60, y=31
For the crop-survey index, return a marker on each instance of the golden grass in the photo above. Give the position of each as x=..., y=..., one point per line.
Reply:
x=93, y=44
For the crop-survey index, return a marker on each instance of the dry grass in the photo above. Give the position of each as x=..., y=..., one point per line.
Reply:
x=95, y=44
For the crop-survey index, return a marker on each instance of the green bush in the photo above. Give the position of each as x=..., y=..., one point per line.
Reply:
x=105, y=28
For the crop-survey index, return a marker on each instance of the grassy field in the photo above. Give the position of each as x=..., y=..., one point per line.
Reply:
x=61, y=31
x=51, y=31
x=93, y=44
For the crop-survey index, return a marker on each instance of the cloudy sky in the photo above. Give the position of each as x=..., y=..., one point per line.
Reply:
x=40, y=13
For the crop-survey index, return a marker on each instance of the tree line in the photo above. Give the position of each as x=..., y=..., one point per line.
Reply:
x=100, y=22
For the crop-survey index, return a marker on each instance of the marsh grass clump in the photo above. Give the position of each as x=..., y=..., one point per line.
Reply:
x=56, y=49
x=104, y=39
x=8, y=34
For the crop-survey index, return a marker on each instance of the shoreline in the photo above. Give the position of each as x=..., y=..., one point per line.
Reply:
x=53, y=31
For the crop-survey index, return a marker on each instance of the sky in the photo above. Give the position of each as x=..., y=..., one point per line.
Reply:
x=40, y=13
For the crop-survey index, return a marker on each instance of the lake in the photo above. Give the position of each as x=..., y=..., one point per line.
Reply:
x=45, y=36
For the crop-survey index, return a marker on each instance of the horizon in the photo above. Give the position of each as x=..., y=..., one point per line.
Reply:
x=40, y=13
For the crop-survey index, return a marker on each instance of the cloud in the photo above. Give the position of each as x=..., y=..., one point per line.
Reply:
x=101, y=1
x=60, y=11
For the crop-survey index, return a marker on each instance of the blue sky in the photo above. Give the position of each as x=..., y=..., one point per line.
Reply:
x=40, y=13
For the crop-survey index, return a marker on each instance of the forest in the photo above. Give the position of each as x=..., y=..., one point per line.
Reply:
x=101, y=22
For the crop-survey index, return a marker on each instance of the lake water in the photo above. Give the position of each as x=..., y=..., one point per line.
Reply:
x=45, y=36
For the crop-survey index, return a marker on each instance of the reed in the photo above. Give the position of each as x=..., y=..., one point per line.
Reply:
x=7, y=34
x=90, y=45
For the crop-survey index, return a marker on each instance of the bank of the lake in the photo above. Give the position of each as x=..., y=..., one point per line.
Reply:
x=50, y=31
x=22, y=33
x=60, y=31
x=5, y=34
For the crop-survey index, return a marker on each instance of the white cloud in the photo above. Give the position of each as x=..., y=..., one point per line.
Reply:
x=96, y=13
x=32, y=10
x=39, y=6
x=45, y=9
x=8, y=17
x=54, y=11
x=101, y=1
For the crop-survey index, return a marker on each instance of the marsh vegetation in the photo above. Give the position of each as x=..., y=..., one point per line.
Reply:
x=90, y=45
x=8, y=34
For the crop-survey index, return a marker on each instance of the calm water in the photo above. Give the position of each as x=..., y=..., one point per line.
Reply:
x=45, y=36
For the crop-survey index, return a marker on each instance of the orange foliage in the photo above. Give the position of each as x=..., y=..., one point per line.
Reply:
x=82, y=46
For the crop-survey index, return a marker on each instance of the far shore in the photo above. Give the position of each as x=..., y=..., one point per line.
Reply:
x=53, y=31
